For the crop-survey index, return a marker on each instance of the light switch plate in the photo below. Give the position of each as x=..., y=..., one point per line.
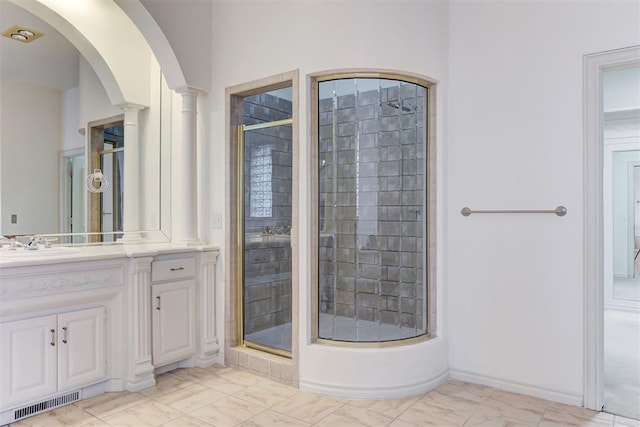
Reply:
x=216, y=220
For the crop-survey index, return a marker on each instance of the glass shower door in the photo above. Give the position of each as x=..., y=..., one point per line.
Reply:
x=265, y=172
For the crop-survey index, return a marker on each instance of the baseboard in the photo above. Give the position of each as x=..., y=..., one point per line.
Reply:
x=358, y=392
x=542, y=393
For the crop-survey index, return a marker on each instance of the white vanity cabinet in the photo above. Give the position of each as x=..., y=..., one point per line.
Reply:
x=50, y=354
x=101, y=319
x=174, y=312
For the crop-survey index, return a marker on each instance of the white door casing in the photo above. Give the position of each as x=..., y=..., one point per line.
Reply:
x=594, y=67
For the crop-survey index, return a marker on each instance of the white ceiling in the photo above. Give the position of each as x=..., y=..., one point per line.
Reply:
x=50, y=61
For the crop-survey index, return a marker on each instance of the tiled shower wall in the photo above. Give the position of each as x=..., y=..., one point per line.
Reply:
x=267, y=292
x=267, y=267
x=260, y=109
x=371, y=200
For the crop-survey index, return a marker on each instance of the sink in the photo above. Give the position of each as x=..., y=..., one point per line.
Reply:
x=22, y=253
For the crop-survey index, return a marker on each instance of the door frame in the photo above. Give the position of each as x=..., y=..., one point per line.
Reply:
x=65, y=192
x=235, y=354
x=594, y=65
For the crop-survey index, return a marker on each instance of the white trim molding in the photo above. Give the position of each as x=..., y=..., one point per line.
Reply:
x=594, y=66
x=356, y=391
x=515, y=387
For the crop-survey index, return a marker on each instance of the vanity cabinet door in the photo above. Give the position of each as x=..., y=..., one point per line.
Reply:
x=82, y=347
x=173, y=321
x=28, y=352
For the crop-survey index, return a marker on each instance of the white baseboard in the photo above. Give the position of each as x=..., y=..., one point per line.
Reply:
x=359, y=392
x=542, y=393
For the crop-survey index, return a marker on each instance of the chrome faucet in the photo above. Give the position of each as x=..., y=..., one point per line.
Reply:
x=12, y=243
x=33, y=244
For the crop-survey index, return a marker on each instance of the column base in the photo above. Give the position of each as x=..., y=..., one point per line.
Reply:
x=190, y=242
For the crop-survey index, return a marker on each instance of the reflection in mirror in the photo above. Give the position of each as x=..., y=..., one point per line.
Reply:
x=73, y=194
x=49, y=99
x=106, y=153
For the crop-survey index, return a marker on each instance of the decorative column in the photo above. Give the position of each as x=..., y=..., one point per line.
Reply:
x=131, y=193
x=185, y=216
x=207, y=340
x=138, y=327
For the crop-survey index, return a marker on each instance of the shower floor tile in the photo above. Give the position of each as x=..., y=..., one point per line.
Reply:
x=277, y=337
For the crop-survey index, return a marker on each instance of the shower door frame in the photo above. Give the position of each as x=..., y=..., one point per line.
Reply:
x=240, y=238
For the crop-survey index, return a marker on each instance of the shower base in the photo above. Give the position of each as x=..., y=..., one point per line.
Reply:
x=277, y=337
x=348, y=329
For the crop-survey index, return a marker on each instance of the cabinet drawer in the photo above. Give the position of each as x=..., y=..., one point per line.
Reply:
x=170, y=269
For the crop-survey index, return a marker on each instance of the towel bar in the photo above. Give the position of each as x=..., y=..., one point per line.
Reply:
x=560, y=211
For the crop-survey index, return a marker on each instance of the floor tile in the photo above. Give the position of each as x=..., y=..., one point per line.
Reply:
x=559, y=414
x=185, y=421
x=188, y=399
x=227, y=412
x=192, y=374
x=353, y=416
x=309, y=407
x=111, y=403
x=464, y=405
x=146, y=414
x=627, y=422
x=391, y=407
x=166, y=383
x=231, y=381
x=485, y=421
x=266, y=394
x=272, y=418
x=402, y=423
x=424, y=413
x=514, y=408
x=219, y=396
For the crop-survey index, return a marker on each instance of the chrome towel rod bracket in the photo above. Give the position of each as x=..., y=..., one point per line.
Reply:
x=560, y=211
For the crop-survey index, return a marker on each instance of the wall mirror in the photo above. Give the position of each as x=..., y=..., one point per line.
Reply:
x=58, y=125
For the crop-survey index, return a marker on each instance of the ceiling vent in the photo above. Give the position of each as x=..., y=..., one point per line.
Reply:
x=22, y=34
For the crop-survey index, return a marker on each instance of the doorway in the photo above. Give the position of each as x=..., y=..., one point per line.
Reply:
x=264, y=190
x=106, y=153
x=262, y=237
x=73, y=195
x=612, y=280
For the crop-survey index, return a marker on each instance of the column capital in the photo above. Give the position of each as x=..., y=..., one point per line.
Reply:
x=190, y=90
x=129, y=106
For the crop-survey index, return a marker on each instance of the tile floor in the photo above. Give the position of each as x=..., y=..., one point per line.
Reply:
x=622, y=362
x=220, y=396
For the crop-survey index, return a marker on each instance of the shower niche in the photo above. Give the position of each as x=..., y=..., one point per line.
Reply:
x=372, y=181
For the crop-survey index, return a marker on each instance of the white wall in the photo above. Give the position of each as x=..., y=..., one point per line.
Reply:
x=71, y=137
x=93, y=101
x=515, y=282
x=276, y=37
x=30, y=143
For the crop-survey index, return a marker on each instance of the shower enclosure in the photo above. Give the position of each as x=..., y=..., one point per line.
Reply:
x=372, y=208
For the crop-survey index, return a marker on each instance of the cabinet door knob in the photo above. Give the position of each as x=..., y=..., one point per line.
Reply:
x=176, y=268
x=53, y=337
x=64, y=336
x=158, y=305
